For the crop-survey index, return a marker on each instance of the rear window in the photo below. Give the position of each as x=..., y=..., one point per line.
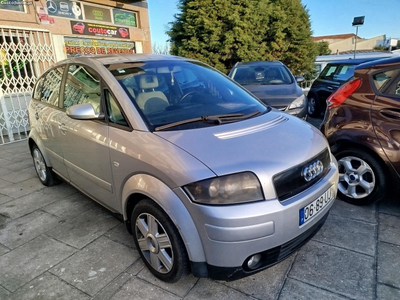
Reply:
x=341, y=72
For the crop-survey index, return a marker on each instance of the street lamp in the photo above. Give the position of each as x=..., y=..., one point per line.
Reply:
x=357, y=21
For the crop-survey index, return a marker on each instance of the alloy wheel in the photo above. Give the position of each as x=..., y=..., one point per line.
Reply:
x=356, y=177
x=154, y=243
x=40, y=164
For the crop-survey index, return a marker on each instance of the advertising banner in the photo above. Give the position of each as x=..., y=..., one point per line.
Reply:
x=85, y=28
x=96, y=13
x=65, y=9
x=79, y=47
x=125, y=18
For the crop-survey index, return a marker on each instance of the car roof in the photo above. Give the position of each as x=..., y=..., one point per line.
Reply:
x=257, y=63
x=383, y=61
x=107, y=59
x=351, y=61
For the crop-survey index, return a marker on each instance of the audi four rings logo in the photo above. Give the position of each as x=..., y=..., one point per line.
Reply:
x=313, y=170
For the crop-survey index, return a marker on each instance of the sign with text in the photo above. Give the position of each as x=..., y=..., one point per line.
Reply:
x=96, y=13
x=64, y=9
x=79, y=47
x=125, y=18
x=85, y=28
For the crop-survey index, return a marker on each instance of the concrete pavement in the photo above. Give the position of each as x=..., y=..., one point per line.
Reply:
x=55, y=243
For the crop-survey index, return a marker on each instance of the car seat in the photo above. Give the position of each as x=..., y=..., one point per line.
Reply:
x=147, y=85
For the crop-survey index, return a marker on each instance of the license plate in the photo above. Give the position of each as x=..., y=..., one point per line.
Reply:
x=311, y=210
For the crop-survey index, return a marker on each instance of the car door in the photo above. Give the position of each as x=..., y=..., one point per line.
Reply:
x=47, y=115
x=86, y=142
x=385, y=113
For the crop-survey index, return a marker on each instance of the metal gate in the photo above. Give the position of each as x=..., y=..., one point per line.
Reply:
x=24, y=55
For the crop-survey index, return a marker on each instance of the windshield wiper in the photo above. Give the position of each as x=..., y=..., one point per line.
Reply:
x=217, y=119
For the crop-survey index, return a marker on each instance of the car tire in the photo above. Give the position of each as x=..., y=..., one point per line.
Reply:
x=159, y=242
x=362, y=177
x=313, y=107
x=44, y=173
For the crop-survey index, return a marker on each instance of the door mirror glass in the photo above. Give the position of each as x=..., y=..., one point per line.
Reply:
x=84, y=111
x=299, y=79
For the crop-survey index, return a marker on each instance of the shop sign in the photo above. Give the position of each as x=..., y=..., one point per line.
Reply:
x=14, y=5
x=64, y=8
x=79, y=47
x=85, y=28
x=96, y=13
x=125, y=18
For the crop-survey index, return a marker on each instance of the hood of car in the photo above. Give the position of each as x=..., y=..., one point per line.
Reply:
x=265, y=145
x=275, y=95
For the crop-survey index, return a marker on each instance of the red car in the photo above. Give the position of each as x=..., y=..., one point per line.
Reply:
x=79, y=27
x=123, y=32
x=362, y=125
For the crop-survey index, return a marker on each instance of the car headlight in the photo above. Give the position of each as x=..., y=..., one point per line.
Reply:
x=299, y=102
x=230, y=189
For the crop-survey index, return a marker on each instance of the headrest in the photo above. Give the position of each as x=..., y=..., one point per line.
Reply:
x=148, y=82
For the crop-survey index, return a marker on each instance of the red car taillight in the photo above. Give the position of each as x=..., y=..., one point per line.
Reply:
x=343, y=93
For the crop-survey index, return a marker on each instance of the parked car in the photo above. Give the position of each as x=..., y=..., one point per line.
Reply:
x=362, y=124
x=205, y=176
x=334, y=75
x=272, y=83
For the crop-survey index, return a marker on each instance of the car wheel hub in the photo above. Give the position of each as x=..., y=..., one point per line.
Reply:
x=356, y=177
x=154, y=243
x=40, y=165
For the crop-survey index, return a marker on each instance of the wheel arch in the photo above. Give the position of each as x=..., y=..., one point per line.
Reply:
x=142, y=186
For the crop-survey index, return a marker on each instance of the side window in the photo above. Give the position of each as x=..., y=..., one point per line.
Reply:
x=114, y=112
x=48, y=88
x=82, y=86
x=328, y=72
x=381, y=81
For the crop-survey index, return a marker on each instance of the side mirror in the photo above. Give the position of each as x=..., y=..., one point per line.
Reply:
x=299, y=79
x=83, y=111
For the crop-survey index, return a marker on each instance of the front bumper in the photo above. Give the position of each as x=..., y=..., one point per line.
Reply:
x=231, y=234
x=270, y=257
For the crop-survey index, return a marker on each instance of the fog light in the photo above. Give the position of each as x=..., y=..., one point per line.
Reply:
x=253, y=261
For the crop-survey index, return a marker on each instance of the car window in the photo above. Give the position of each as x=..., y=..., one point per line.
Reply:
x=177, y=91
x=82, y=86
x=115, y=114
x=48, y=87
x=328, y=72
x=262, y=74
x=383, y=78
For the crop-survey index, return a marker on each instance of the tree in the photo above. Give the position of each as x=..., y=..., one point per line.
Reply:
x=323, y=48
x=223, y=32
x=160, y=49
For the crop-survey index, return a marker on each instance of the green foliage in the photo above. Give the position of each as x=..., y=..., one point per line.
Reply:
x=223, y=32
x=323, y=48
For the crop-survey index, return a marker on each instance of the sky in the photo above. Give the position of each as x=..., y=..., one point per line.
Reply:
x=327, y=17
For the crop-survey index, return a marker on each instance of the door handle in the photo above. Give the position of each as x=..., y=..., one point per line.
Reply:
x=390, y=113
x=36, y=115
x=63, y=128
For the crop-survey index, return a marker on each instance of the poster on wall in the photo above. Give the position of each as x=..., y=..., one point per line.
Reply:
x=14, y=5
x=64, y=9
x=96, y=13
x=79, y=47
x=85, y=28
x=124, y=18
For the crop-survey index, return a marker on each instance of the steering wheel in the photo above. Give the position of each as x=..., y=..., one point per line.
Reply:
x=184, y=97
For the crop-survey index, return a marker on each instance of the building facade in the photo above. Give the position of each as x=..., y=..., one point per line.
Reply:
x=34, y=34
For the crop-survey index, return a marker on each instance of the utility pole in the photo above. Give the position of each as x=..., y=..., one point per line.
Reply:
x=357, y=21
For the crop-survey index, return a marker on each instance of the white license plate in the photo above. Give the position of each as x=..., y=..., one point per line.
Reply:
x=312, y=209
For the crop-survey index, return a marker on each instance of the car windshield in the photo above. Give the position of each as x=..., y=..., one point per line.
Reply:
x=262, y=74
x=176, y=95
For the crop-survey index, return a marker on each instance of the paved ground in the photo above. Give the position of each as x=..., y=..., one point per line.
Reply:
x=55, y=243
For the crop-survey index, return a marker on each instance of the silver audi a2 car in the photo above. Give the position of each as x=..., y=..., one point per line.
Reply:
x=206, y=177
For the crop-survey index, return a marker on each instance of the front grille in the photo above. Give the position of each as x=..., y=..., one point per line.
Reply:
x=291, y=182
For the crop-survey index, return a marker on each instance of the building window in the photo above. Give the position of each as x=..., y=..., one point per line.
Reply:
x=14, y=5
